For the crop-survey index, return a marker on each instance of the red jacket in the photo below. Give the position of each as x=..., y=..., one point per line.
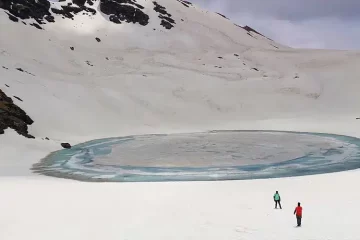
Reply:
x=298, y=211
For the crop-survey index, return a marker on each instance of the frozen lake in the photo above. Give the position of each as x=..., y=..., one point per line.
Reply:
x=216, y=155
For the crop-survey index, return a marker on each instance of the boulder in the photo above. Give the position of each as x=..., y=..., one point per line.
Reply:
x=66, y=145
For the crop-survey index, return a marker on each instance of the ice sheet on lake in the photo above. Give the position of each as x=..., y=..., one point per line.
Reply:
x=216, y=155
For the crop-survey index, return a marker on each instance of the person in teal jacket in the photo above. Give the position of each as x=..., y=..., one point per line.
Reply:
x=277, y=199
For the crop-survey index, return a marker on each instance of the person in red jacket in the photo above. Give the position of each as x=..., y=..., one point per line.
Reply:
x=298, y=212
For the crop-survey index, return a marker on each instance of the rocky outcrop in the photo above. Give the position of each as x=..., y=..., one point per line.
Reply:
x=40, y=11
x=12, y=116
x=118, y=11
x=26, y=9
x=166, y=20
x=124, y=11
x=69, y=11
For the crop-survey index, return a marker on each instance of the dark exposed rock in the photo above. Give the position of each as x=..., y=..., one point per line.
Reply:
x=358, y=118
x=69, y=11
x=185, y=3
x=115, y=19
x=98, y=39
x=90, y=2
x=26, y=9
x=5, y=68
x=66, y=145
x=170, y=20
x=12, y=17
x=166, y=24
x=129, y=2
x=79, y=2
x=107, y=58
x=50, y=18
x=220, y=57
x=296, y=77
x=89, y=63
x=222, y=15
x=39, y=10
x=22, y=70
x=47, y=138
x=18, y=98
x=160, y=9
x=255, y=69
x=236, y=55
x=72, y=48
x=166, y=20
x=7, y=85
x=124, y=11
x=249, y=29
x=12, y=116
x=251, y=35
x=42, y=11
x=36, y=25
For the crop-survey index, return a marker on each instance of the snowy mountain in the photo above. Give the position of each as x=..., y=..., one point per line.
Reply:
x=75, y=70
x=83, y=40
x=126, y=54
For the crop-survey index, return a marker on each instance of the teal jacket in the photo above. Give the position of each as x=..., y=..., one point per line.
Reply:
x=277, y=197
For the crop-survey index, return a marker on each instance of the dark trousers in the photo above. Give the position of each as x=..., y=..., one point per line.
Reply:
x=298, y=218
x=277, y=202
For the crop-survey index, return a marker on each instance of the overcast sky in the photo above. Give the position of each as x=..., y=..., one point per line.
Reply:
x=333, y=24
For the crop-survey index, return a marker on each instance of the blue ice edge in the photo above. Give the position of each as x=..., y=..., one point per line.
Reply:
x=77, y=163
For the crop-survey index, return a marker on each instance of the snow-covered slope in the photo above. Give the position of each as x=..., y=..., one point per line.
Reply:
x=210, y=71
x=184, y=63
x=86, y=76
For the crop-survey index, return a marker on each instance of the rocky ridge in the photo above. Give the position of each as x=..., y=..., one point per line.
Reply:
x=119, y=11
x=12, y=116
